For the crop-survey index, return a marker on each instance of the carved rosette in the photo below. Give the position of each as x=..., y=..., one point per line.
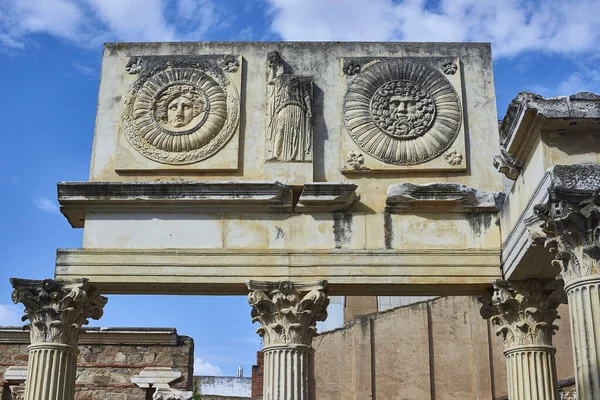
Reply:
x=287, y=312
x=402, y=112
x=181, y=111
x=570, y=224
x=524, y=311
x=57, y=309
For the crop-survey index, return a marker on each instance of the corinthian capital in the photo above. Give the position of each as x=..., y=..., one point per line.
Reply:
x=287, y=312
x=524, y=311
x=56, y=310
x=570, y=220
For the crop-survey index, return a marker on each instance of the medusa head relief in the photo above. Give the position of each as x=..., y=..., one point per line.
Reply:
x=179, y=106
x=180, y=115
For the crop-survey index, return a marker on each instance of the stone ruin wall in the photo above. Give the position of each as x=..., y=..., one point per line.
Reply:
x=105, y=367
x=439, y=349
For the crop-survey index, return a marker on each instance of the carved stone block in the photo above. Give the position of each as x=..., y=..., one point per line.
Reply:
x=403, y=114
x=180, y=113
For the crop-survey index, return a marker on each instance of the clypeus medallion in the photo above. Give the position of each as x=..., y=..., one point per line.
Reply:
x=401, y=111
x=181, y=110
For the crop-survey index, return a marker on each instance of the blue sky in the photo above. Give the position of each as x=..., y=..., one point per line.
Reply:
x=50, y=54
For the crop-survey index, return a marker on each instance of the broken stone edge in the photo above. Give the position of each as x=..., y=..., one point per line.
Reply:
x=325, y=197
x=440, y=197
x=523, y=120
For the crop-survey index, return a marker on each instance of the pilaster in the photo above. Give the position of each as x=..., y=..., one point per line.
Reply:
x=288, y=313
x=524, y=313
x=56, y=311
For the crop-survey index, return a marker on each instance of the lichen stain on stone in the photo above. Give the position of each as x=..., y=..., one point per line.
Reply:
x=388, y=230
x=342, y=229
x=479, y=222
x=279, y=234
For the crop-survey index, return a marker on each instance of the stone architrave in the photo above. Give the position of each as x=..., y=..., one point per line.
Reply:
x=524, y=313
x=288, y=313
x=56, y=311
x=571, y=224
x=289, y=119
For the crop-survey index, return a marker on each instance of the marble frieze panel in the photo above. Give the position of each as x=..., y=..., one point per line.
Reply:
x=402, y=114
x=179, y=113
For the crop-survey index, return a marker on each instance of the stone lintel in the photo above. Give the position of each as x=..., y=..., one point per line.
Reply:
x=78, y=198
x=156, y=377
x=15, y=375
x=326, y=197
x=440, y=197
x=525, y=117
x=214, y=271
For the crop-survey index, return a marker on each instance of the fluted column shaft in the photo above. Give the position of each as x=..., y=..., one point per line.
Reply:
x=288, y=313
x=524, y=313
x=51, y=371
x=287, y=373
x=56, y=311
x=531, y=373
x=584, y=307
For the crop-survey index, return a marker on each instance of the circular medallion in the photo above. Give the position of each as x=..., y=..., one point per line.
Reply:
x=402, y=112
x=180, y=115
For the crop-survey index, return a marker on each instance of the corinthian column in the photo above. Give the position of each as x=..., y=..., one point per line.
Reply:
x=56, y=311
x=524, y=313
x=288, y=313
x=570, y=225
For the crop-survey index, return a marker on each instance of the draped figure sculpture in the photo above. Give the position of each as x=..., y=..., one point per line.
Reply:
x=290, y=130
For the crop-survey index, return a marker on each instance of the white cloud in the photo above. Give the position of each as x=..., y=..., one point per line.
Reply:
x=45, y=204
x=204, y=368
x=10, y=315
x=513, y=26
x=91, y=22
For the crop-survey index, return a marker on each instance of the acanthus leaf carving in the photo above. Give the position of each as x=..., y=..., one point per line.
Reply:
x=287, y=312
x=57, y=309
x=524, y=311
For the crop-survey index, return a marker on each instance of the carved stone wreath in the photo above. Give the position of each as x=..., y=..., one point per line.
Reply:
x=180, y=115
x=402, y=112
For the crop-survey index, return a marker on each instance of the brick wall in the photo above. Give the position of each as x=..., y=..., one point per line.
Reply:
x=109, y=358
x=257, y=377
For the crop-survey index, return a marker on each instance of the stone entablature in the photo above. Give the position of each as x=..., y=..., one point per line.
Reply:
x=529, y=114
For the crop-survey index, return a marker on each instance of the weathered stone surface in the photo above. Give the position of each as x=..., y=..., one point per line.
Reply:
x=440, y=197
x=76, y=199
x=524, y=119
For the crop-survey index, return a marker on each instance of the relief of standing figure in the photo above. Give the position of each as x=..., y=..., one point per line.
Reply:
x=290, y=130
